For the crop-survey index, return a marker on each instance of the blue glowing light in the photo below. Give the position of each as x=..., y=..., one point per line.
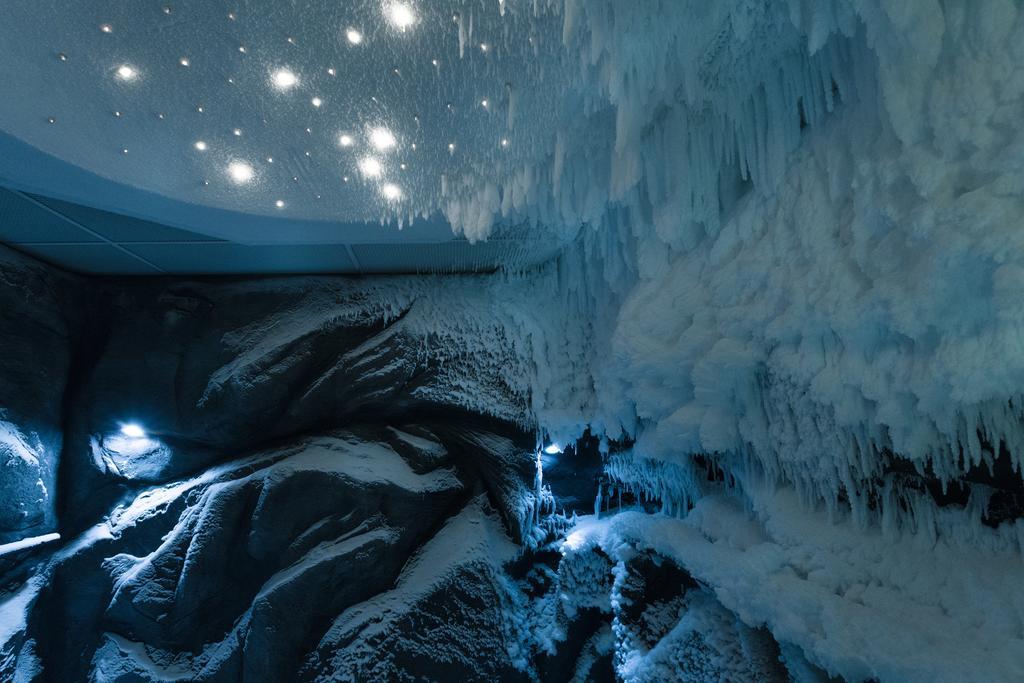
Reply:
x=552, y=449
x=133, y=431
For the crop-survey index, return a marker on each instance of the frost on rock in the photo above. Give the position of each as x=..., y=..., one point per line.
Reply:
x=36, y=317
x=239, y=571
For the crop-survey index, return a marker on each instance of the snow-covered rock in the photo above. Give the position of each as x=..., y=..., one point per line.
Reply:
x=37, y=317
x=241, y=570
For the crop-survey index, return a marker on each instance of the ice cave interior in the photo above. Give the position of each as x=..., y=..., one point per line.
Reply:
x=511, y=340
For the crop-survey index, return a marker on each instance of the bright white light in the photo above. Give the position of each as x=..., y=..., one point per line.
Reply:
x=553, y=449
x=237, y=132
x=504, y=142
x=354, y=36
x=240, y=172
x=133, y=431
x=279, y=203
x=370, y=167
x=106, y=28
x=391, y=192
x=400, y=15
x=284, y=79
x=126, y=73
x=484, y=104
x=200, y=145
x=345, y=140
x=184, y=61
x=316, y=101
x=382, y=139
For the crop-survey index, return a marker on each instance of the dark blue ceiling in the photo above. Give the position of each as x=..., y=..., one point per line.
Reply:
x=106, y=103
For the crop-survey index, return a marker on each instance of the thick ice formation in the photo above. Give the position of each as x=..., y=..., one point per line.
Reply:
x=844, y=325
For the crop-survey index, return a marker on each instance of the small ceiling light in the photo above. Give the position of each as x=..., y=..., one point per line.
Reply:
x=401, y=166
x=284, y=79
x=62, y=57
x=279, y=203
x=270, y=160
x=291, y=41
x=484, y=47
x=124, y=151
x=504, y=142
x=106, y=28
x=484, y=104
x=51, y=120
x=231, y=16
x=316, y=101
x=184, y=61
x=117, y=114
x=382, y=138
x=400, y=15
x=161, y=116
x=126, y=73
x=391, y=192
x=354, y=36
x=434, y=62
x=200, y=145
x=344, y=178
x=199, y=109
x=345, y=140
x=241, y=48
x=414, y=146
x=451, y=148
x=133, y=431
x=240, y=172
x=370, y=167
x=167, y=9
x=331, y=71
x=237, y=132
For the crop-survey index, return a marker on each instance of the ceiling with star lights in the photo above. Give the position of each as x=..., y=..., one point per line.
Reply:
x=261, y=123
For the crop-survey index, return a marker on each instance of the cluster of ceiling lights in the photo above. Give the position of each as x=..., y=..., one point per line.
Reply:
x=240, y=172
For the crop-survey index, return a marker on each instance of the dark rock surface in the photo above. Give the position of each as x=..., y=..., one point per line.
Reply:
x=238, y=573
x=38, y=320
x=212, y=368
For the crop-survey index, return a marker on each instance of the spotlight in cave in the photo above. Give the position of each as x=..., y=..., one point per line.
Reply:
x=133, y=431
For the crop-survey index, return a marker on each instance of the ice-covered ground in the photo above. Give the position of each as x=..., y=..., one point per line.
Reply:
x=855, y=603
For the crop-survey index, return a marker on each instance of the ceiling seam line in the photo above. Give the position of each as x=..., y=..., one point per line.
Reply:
x=89, y=231
x=352, y=255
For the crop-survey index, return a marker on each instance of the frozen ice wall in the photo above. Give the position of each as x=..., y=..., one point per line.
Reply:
x=799, y=240
x=801, y=259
